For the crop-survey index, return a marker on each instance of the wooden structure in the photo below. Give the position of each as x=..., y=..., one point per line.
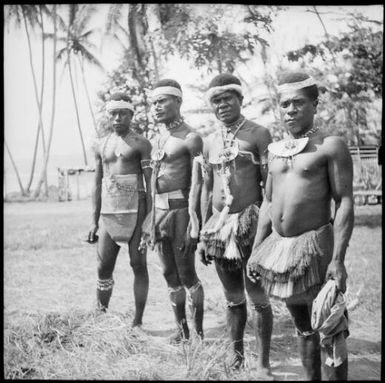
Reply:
x=367, y=177
x=65, y=183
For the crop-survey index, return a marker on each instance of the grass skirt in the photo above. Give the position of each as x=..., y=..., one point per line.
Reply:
x=238, y=231
x=293, y=266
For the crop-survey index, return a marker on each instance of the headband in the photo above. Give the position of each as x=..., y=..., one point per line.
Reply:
x=171, y=90
x=113, y=104
x=296, y=85
x=214, y=91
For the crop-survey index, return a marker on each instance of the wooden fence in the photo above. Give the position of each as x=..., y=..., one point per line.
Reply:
x=367, y=177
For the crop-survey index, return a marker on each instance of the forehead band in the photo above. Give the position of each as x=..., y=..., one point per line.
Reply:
x=296, y=85
x=113, y=105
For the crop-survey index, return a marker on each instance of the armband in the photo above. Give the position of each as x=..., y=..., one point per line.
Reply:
x=144, y=164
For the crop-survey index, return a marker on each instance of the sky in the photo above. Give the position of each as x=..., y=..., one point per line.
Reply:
x=292, y=28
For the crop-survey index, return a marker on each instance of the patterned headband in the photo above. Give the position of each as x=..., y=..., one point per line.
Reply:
x=113, y=104
x=162, y=90
x=214, y=91
x=296, y=85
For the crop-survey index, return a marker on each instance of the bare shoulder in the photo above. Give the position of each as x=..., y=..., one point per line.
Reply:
x=335, y=146
x=257, y=130
x=140, y=142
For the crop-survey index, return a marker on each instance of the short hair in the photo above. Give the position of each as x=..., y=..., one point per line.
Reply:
x=290, y=77
x=167, y=82
x=120, y=96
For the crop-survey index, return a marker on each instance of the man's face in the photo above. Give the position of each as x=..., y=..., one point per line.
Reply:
x=297, y=111
x=226, y=106
x=165, y=108
x=120, y=119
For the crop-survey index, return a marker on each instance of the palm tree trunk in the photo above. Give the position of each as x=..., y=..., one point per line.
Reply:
x=43, y=175
x=23, y=193
x=87, y=94
x=32, y=173
x=77, y=110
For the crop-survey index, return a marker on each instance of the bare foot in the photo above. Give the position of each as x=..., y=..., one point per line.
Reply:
x=178, y=337
x=264, y=373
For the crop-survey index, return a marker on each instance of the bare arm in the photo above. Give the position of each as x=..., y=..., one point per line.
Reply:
x=96, y=198
x=147, y=172
x=264, y=139
x=207, y=186
x=340, y=172
x=264, y=220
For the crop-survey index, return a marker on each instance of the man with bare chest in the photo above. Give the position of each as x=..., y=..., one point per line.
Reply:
x=120, y=202
x=297, y=248
x=173, y=226
x=234, y=171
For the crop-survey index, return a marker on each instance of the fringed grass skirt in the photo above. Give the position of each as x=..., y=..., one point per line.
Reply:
x=293, y=266
x=238, y=231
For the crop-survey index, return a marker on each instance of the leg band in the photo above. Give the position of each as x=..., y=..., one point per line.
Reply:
x=261, y=307
x=193, y=289
x=304, y=334
x=174, y=289
x=234, y=304
x=105, y=284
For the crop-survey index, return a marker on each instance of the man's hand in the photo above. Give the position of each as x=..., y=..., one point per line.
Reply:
x=252, y=275
x=189, y=246
x=92, y=237
x=203, y=257
x=336, y=271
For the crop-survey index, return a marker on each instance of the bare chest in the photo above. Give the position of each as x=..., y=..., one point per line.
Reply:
x=304, y=165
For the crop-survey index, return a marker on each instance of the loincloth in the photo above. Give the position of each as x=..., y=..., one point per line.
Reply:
x=171, y=217
x=225, y=245
x=120, y=201
x=293, y=266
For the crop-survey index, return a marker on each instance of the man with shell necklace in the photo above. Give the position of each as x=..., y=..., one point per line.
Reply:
x=173, y=226
x=235, y=168
x=120, y=202
x=297, y=248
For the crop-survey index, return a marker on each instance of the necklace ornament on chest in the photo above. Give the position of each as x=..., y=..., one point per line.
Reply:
x=288, y=148
x=158, y=154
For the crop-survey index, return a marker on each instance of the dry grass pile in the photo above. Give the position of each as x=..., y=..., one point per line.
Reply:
x=87, y=345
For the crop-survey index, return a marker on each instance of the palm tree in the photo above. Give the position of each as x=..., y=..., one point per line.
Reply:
x=30, y=16
x=77, y=44
x=15, y=169
x=43, y=175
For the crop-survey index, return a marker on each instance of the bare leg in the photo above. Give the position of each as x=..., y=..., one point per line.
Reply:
x=262, y=323
x=308, y=340
x=107, y=252
x=185, y=264
x=333, y=373
x=176, y=290
x=232, y=281
x=138, y=261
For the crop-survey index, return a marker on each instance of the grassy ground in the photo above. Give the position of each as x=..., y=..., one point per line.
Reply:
x=52, y=332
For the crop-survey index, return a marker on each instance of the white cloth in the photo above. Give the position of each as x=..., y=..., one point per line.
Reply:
x=328, y=318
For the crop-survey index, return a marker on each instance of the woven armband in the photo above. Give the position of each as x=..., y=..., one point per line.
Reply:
x=145, y=164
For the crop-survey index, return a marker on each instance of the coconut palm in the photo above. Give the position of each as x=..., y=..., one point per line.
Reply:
x=43, y=175
x=29, y=16
x=77, y=44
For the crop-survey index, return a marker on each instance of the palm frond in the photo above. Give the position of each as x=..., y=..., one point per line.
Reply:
x=113, y=16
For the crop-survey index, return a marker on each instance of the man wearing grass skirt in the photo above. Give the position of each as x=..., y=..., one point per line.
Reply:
x=173, y=225
x=120, y=202
x=297, y=248
x=234, y=170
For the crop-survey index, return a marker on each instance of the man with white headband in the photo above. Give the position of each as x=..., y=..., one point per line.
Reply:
x=300, y=242
x=120, y=202
x=235, y=167
x=173, y=226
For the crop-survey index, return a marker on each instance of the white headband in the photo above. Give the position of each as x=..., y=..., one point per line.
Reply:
x=214, y=91
x=296, y=85
x=162, y=90
x=113, y=104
